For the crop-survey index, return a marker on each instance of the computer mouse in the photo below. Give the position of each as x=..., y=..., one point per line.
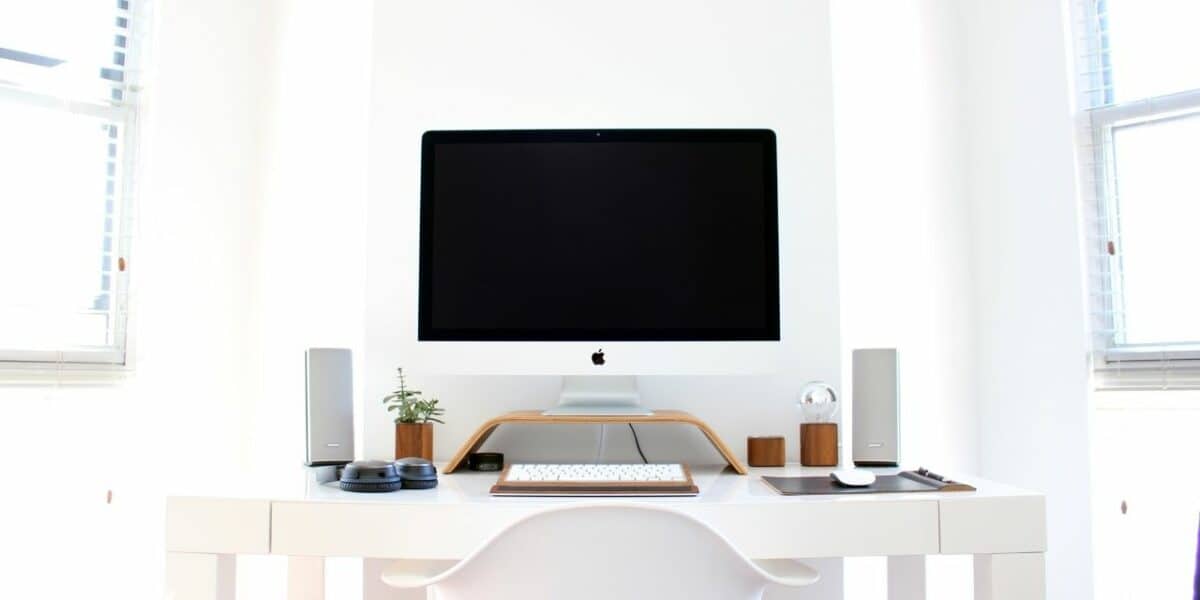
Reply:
x=853, y=477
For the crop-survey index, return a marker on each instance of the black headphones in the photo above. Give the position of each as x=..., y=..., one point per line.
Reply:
x=385, y=476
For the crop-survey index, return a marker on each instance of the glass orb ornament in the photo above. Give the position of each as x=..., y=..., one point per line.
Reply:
x=818, y=402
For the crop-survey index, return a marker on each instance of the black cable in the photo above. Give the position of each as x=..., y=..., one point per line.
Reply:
x=638, y=444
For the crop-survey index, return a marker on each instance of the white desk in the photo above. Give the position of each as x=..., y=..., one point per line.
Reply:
x=1003, y=527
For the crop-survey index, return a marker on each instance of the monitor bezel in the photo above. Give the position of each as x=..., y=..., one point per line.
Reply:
x=431, y=139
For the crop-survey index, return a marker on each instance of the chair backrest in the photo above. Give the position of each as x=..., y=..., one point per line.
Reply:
x=605, y=552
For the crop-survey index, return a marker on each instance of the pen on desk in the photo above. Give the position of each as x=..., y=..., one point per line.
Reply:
x=930, y=474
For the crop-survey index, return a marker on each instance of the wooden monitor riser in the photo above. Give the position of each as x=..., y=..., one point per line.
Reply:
x=535, y=416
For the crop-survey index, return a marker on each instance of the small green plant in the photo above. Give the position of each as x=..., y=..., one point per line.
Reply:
x=409, y=407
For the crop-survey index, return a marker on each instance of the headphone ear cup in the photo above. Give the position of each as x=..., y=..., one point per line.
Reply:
x=370, y=476
x=417, y=484
x=366, y=487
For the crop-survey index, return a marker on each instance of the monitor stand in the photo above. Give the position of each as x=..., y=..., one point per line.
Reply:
x=599, y=395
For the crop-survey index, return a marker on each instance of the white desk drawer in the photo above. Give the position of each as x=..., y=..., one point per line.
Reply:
x=382, y=530
x=993, y=525
x=815, y=529
x=449, y=532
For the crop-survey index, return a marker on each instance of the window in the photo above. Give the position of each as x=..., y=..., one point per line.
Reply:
x=1141, y=130
x=67, y=115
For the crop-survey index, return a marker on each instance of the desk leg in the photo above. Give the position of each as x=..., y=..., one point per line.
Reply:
x=306, y=578
x=192, y=576
x=1004, y=576
x=906, y=577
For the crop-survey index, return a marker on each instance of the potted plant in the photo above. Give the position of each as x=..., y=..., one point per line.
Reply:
x=414, y=420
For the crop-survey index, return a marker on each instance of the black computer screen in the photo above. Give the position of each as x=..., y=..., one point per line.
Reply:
x=603, y=235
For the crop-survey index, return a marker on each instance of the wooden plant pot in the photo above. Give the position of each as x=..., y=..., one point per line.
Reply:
x=414, y=439
x=819, y=444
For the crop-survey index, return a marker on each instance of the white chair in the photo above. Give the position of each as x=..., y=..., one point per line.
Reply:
x=614, y=551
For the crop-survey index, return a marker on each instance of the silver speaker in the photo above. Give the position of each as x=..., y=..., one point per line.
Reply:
x=329, y=406
x=876, y=402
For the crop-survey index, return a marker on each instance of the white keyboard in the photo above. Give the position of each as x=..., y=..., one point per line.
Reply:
x=595, y=480
x=596, y=473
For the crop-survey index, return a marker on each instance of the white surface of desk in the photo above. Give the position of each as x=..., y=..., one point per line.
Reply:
x=1003, y=526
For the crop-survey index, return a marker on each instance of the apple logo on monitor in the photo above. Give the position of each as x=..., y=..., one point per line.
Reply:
x=598, y=357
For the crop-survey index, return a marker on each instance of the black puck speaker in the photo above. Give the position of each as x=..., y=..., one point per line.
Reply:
x=485, y=461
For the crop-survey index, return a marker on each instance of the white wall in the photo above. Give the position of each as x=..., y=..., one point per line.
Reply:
x=903, y=216
x=537, y=64
x=196, y=293
x=1031, y=340
x=312, y=255
x=955, y=221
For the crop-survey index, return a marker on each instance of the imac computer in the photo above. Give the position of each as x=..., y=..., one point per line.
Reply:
x=600, y=255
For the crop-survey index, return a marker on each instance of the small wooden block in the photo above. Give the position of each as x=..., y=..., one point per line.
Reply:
x=766, y=451
x=819, y=444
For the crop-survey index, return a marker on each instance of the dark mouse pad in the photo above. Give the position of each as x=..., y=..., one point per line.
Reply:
x=801, y=486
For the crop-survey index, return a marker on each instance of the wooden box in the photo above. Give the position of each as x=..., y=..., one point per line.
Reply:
x=766, y=451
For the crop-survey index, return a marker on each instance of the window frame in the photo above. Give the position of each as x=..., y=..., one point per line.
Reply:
x=1101, y=117
x=116, y=358
x=1104, y=121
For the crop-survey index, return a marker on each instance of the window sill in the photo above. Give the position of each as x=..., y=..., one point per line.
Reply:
x=1152, y=356
x=17, y=373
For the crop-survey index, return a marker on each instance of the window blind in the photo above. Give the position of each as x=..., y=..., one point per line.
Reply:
x=69, y=82
x=1137, y=123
